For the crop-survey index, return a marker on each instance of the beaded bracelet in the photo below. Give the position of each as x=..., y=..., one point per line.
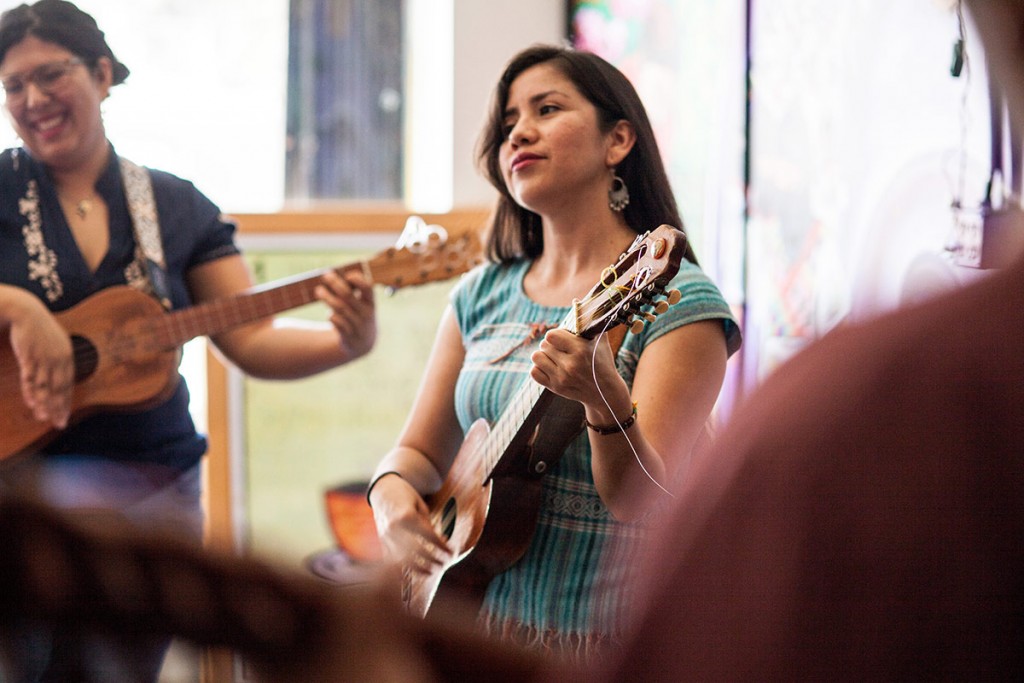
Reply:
x=615, y=428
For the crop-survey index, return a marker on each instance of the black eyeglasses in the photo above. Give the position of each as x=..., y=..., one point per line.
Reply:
x=46, y=77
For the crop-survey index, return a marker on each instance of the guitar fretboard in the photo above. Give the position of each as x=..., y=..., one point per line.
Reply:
x=511, y=422
x=178, y=327
x=393, y=267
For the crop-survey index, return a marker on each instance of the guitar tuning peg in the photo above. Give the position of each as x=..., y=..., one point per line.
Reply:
x=660, y=307
x=673, y=297
x=637, y=326
x=650, y=317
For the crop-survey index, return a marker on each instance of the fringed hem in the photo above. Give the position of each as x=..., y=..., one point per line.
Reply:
x=575, y=648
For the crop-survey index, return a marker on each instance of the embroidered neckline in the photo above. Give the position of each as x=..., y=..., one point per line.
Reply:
x=42, y=261
x=537, y=330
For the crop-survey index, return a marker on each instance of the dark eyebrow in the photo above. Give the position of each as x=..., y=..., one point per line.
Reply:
x=535, y=99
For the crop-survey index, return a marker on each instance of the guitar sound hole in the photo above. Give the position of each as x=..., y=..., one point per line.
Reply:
x=86, y=357
x=448, y=516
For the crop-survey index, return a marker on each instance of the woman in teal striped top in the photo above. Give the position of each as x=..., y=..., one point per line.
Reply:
x=571, y=152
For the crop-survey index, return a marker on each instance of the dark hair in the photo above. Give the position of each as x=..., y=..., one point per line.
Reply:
x=61, y=23
x=516, y=231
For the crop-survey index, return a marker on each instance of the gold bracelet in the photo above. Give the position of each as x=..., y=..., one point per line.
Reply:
x=615, y=428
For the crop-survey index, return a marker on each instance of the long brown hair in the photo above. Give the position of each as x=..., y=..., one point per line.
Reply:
x=515, y=232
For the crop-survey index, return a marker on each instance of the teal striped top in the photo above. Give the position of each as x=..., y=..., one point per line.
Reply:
x=563, y=594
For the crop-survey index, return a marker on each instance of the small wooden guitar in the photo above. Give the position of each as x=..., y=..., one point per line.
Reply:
x=487, y=507
x=126, y=347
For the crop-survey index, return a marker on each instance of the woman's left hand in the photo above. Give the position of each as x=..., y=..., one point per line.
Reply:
x=576, y=368
x=353, y=312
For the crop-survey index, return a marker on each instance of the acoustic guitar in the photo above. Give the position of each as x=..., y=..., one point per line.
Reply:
x=127, y=347
x=487, y=506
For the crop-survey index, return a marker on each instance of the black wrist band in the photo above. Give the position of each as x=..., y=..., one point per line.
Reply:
x=369, y=489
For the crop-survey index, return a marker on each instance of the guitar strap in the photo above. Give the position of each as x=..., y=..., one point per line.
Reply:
x=138, y=190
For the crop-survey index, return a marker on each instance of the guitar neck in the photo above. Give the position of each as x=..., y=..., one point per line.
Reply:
x=523, y=413
x=220, y=315
x=416, y=263
x=519, y=418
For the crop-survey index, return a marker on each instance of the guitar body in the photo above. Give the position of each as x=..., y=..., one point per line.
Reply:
x=116, y=366
x=488, y=525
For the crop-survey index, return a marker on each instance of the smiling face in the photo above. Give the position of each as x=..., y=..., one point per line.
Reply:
x=554, y=153
x=63, y=128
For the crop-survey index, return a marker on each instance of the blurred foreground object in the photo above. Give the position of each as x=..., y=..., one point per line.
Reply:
x=99, y=574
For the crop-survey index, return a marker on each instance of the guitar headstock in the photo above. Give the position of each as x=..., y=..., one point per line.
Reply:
x=424, y=253
x=632, y=282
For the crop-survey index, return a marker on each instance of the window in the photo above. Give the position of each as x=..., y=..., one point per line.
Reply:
x=345, y=102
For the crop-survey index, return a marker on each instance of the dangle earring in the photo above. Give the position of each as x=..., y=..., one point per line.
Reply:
x=618, y=195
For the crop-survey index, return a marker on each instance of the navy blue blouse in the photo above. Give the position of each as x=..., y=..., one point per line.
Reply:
x=38, y=253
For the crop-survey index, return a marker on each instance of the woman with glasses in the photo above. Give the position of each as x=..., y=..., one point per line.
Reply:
x=75, y=220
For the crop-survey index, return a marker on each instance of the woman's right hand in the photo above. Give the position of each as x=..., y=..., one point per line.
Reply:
x=403, y=525
x=45, y=362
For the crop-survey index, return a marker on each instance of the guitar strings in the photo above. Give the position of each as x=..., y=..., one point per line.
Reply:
x=608, y=278
x=632, y=447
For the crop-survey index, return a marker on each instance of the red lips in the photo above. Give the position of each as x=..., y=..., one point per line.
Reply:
x=522, y=159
